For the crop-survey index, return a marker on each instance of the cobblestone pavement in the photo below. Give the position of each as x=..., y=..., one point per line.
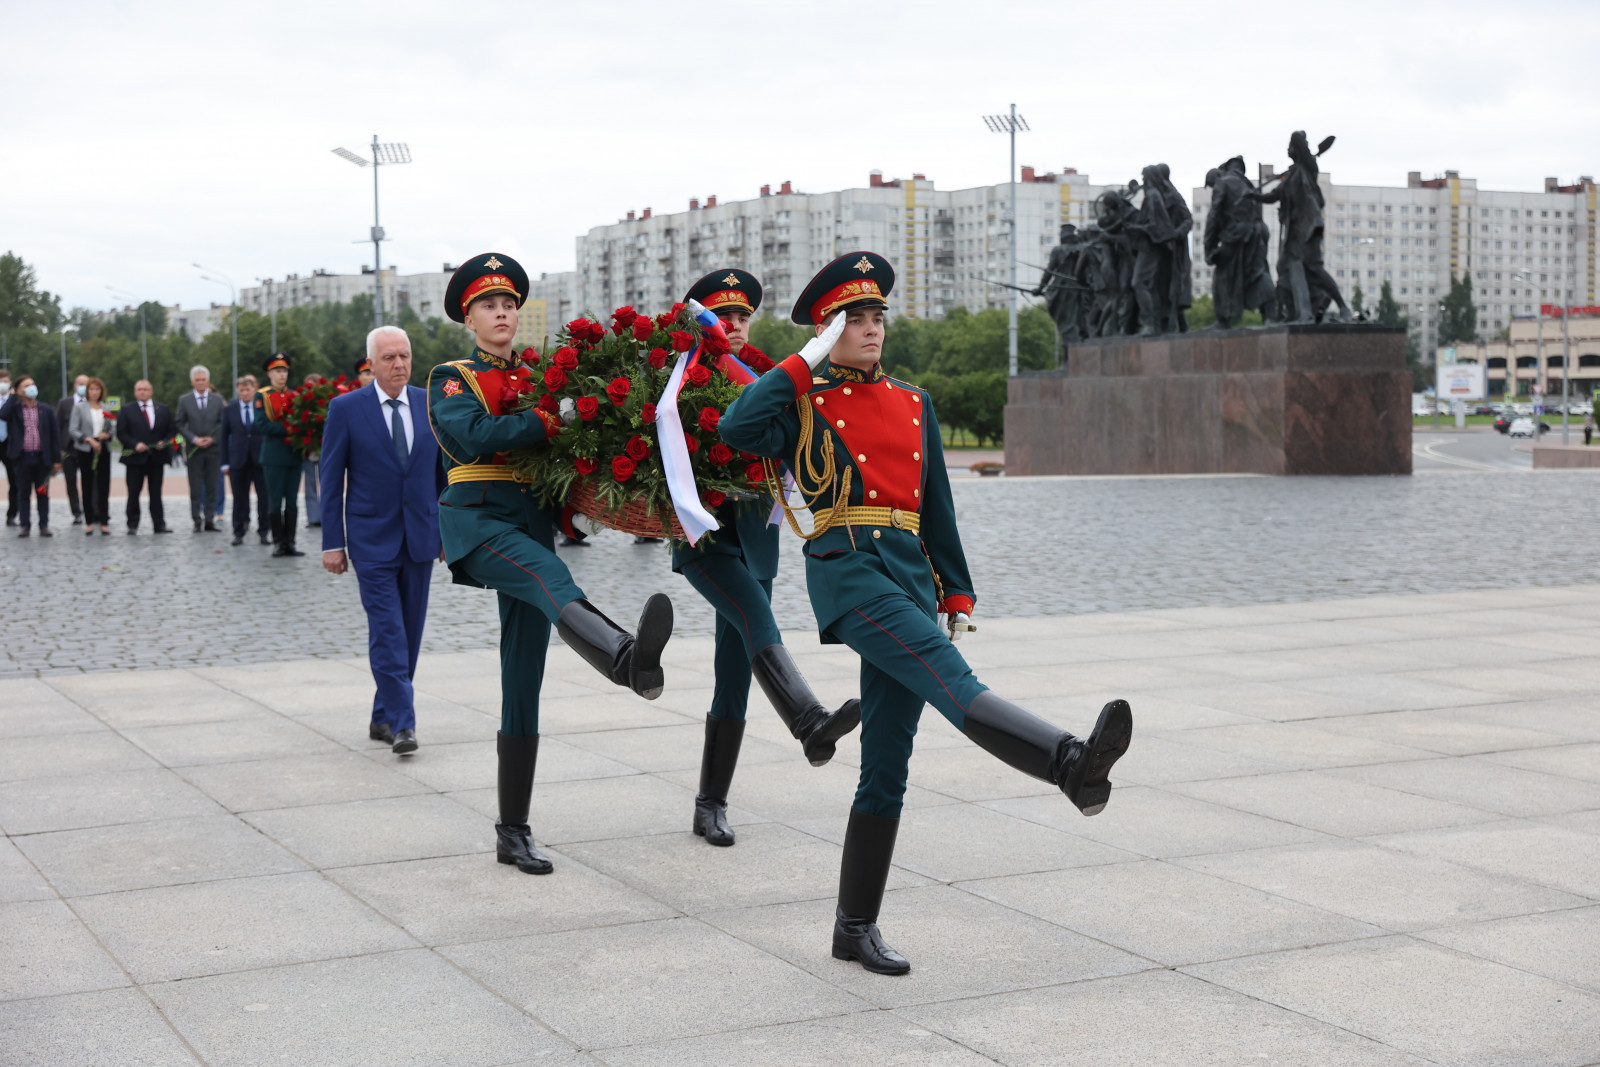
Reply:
x=1036, y=547
x=1351, y=832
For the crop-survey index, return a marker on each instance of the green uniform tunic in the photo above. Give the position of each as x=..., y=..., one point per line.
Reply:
x=280, y=463
x=496, y=534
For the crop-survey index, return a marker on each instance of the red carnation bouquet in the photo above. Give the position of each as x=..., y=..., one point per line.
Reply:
x=607, y=463
x=304, y=412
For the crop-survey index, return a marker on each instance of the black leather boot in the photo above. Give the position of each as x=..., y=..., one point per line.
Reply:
x=291, y=526
x=863, y=872
x=814, y=726
x=275, y=522
x=1040, y=749
x=513, y=838
x=632, y=660
x=721, y=755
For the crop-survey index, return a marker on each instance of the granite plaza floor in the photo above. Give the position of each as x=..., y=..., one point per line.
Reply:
x=1361, y=831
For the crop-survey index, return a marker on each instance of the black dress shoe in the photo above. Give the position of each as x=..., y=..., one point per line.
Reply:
x=379, y=731
x=211, y=527
x=405, y=742
x=514, y=845
x=26, y=531
x=266, y=536
x=197, y=526
x=133, y=531
x=859, y=939
x=568, y=541
x=77, y=520
x=238, y=539
x=163, y=529
x=44, y=531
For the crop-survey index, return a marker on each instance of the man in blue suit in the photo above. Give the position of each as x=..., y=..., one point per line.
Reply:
x=241, y=461
x=381, y=480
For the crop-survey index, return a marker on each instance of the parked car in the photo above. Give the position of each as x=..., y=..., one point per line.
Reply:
x=1524, y=428
x=1522, y=409
x=1502, y=423
x=1483, y=409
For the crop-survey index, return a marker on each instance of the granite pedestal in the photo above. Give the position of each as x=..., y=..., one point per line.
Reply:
x=1324, y=399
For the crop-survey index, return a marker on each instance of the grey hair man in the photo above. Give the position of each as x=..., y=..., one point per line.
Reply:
x=199, y=420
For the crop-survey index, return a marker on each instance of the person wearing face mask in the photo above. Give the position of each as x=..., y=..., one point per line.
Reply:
x=883, y=561
x=34, y=444
x=69, y=454
x=497, y=535
x=5, y=454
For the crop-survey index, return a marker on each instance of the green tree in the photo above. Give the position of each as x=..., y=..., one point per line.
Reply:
x=778, y=338
x=23, y=305
x=1388, y=314
x=1458, y=318
x=1201, y=313
x=1356, y=299
x=980, y=342
x=984, y=395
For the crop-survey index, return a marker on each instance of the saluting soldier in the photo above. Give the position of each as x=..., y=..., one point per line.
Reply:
x=883, y=560
x=498, y=536
x=280, y=463
x=733, y=569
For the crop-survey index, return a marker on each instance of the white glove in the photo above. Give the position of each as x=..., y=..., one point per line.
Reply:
x=816, y=350
x=960, y=623
x=569, y=411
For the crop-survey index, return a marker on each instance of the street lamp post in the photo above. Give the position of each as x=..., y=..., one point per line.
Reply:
x=382, y=155
x=233, y=305
x=1010, y=124
x=144, y=346
x=272, y=308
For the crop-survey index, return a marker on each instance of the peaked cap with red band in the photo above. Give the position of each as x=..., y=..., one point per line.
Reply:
x=491, y=272
x=726, y=288
x=855, y=279
x=363, y=364
x=277, y=359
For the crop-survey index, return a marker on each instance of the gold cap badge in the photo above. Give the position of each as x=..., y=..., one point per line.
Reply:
x=864, y=265
x=492, y=263
x=731, y=279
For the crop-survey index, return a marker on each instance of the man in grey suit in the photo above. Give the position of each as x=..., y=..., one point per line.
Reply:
x=199, y=420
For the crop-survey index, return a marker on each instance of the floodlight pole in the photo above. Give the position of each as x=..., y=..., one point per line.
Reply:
x=377, y=246
x=1010, y=123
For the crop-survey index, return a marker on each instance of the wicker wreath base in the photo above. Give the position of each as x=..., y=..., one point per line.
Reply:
x=632, y=518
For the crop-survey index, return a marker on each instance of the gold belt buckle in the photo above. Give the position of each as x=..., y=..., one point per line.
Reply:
x=897, y=518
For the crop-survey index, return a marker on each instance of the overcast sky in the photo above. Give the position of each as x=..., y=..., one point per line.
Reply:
x=136, y=139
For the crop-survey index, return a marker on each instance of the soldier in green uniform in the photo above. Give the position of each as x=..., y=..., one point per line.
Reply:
x=280, y=463
x=497, y=536
x=733, y=569
x=883, y=560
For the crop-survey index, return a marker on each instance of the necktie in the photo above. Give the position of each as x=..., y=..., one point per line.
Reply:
x=249, y=413
x=149, y=416
x=398, y=428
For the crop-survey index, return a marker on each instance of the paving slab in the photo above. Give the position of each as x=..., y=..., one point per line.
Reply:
x=235, y=740
x=644, y=974
x=674, y=748
x=59, y=755
x=48, y=951
x=1482, y=784
x=1155, y=1019
x=18, y=878
x=1424, y=999
x=1532, y=851
x=885, y=1038
x=472, y=764
x=474, y=898
x=1564, y=945
x=298, y=781
x=111, y=1028
x=1331, y=804
x=37, y=805
x=408, y=1007
x=1169, y=914
x=110, y=859
x=236, y=924
x=959, y=945
x=377, y=831
x=1449, y=731
x=30, y=708
x=1380, y=886
x=128, y=699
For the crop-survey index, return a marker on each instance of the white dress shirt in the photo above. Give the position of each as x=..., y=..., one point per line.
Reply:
x=200, y=398
x=388, y=413
x=148, y=407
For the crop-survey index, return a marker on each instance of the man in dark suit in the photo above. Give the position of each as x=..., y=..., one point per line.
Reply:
x=69, y=455
x=240, y=462
x=200, y=422
x=146, y=430
x=381, y=479
x=33, y=444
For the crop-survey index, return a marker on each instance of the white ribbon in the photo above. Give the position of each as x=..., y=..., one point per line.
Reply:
x=692, y=514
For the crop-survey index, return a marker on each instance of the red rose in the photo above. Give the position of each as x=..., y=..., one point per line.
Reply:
x=622, y=468
x=698, y=376
x=588, y=407
x=658, y=357
x=549, y=403
x=666, y=317
x=618, y=390
x=713, y=498
x=555, y=378
x=759, y=363
x=716, y=343
x=622, y=320
x=586, y=464
x=637, y=447
x=643, y=328
x=529, y=356
x=508, y=398
x=647, y=413
x=565, y=358
x=755, y=474
x=691, y=442
x=709, y=417
x=682, y=340
x=720, y=454
x=748, y=457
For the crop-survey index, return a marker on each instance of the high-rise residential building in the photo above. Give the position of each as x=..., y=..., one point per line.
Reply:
x=423, y=293
x=948, y=247
x=1523, y=249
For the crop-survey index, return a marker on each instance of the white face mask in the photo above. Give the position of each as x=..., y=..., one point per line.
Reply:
x=31, y=392
x=83, y=390
x=5, y=387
